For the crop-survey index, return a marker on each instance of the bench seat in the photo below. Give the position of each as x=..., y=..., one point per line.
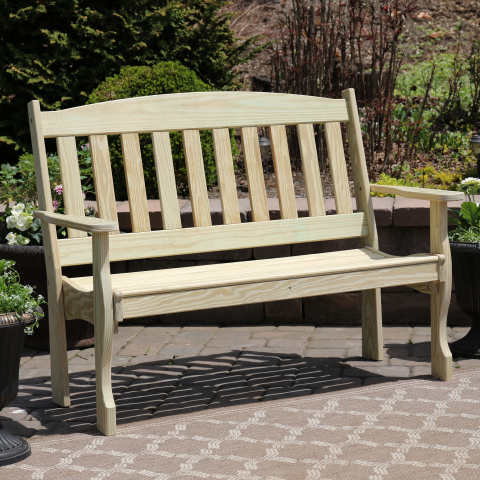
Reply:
x=237, y=283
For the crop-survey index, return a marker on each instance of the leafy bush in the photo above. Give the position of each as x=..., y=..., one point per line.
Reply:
x=57, y=51
x=166, y=77
x=18, y=182
x=413, y=78
x=15, y=297
x=18, y=185
x=426, y=177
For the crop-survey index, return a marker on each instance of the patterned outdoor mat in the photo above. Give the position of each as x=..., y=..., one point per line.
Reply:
x=414, y=429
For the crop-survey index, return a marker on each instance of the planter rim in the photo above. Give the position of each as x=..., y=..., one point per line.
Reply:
x=11, y=319
x=465, y=246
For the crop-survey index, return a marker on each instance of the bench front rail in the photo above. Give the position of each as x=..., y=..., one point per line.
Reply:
x=104, y=299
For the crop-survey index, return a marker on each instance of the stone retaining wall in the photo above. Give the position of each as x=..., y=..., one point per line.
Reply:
x=403, y=229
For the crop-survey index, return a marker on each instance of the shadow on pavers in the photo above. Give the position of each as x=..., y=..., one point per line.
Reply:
x=154, y=387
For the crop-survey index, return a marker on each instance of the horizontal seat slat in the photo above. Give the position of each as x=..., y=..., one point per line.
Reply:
x=213, y=276
x=210, y=286
x=220, y=237
x=158, y=304
x=192, y=111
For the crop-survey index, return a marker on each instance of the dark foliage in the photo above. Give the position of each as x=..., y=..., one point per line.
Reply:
x=58, y=51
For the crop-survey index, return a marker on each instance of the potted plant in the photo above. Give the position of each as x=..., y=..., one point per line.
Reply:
x=465, y=248
x=19, y=314
x=21, y=236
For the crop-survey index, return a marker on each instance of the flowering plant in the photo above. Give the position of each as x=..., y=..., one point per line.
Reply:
x=15, y=297
x=18, y=186
x=467, y=220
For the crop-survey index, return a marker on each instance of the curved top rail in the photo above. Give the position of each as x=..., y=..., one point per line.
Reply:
x=192, y=111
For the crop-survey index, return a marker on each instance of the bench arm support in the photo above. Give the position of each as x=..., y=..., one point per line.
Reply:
x=418, y=193
x=85, y=224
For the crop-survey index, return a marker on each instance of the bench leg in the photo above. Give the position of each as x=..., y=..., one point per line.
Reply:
x=372, y=335
x=441, y=355
x=104, y=326
x=58, y=357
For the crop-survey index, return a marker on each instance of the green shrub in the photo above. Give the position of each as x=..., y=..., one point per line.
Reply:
x=166, y=77
x=426, y=177
x=58, y=51
x=412, y=79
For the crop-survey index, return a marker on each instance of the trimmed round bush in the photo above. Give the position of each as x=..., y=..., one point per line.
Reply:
x=166, y=77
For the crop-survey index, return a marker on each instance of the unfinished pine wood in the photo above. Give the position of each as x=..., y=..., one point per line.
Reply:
x=226, y=175
x=311, y=170
x=103, y=325
x=338, y=168
x=371, y=307
x=77, y=251
x=372, y=335
x=137, y=195
x=58, y=339
x=79, y=303
x=255, y=179
x=84, y=224
x=71, y=184
x=197, y=184
x=439, y=243
x=102, y=177
x=192, y=111
x=270, y=291
x=212, y=276
x=283, y=171
x=167, y=188
x=359, y=168
x=418, y=193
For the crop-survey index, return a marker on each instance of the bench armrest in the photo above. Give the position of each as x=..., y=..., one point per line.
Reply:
x=419, y=193
x=85, y=224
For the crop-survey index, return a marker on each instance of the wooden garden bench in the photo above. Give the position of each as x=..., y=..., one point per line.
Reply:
x=105, y=299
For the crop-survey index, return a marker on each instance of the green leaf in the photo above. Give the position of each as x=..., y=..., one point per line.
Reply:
x=471, y=212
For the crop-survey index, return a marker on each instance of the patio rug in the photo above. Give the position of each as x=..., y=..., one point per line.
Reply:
x=413, y=429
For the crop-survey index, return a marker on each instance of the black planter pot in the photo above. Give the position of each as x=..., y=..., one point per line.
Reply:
x=12, y=448
x=466, y=273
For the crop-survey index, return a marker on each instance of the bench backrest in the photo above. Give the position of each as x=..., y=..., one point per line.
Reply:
x=190, y=113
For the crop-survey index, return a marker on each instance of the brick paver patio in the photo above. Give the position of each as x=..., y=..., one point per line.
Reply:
x=160, y=371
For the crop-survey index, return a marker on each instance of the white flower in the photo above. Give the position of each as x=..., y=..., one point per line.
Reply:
x=471, y=181
x=21, y=240
x=18, y=209
x=12, y=222
x=12, y=238
x=24, y=221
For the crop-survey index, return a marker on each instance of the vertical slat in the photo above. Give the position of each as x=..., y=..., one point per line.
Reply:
x=226, y=175
x=71, y=184
x=371, y=300
x=137, y=195
x=103, y=325
x=311, y=170
x=56, y=315
x=338, y=168
x=359, y=167
x=196, y=178
x=102, y=176
x=283, y=171
x=167, y=188
x=256, y=182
